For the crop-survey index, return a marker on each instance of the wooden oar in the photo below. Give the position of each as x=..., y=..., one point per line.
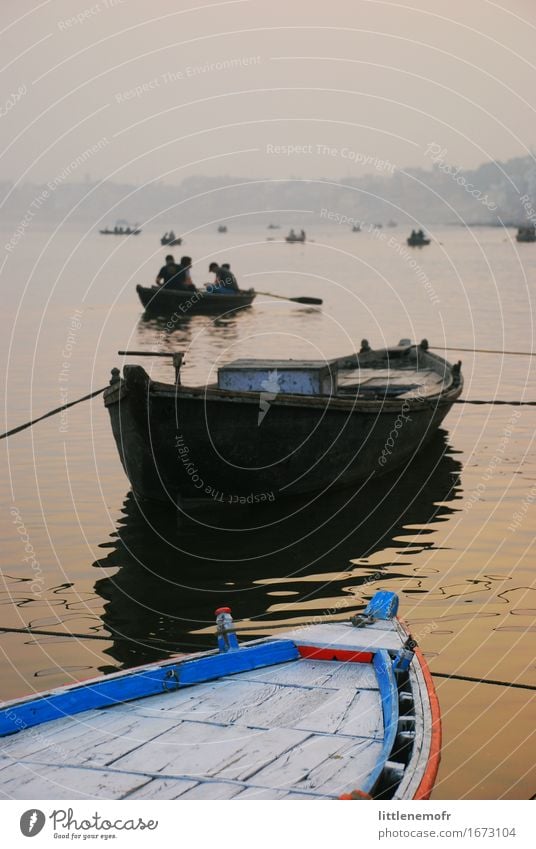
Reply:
x=295, y=300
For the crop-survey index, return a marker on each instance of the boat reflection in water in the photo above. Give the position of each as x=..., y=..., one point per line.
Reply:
x=173, y=573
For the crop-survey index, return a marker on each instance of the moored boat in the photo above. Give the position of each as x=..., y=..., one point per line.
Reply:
x=274, y=428
x=340, y=710
x=159, y=300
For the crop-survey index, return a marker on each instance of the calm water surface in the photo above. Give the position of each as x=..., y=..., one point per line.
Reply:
x=443, y=533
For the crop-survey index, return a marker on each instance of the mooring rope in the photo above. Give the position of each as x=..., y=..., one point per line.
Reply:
x=151, y=641
x=484, y=681
x=497, y=403
x=483, y=351
x=52, y=413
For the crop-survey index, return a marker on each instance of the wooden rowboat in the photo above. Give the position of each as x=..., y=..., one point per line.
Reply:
x=329, y=711
x=270, y=429
x=161, y=301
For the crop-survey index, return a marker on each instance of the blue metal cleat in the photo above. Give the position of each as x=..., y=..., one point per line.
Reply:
x=403, y=659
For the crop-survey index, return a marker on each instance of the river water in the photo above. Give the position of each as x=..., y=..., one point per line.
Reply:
x=453, y=534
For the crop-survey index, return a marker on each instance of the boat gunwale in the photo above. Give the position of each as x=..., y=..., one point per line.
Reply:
x=445, y=396
x=201, y=295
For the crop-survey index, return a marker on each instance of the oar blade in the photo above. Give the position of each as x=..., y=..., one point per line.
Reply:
x=317, y=301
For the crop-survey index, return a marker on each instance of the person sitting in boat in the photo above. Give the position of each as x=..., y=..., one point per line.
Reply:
x=170, y=274
x=185, y=277
x=225, y=281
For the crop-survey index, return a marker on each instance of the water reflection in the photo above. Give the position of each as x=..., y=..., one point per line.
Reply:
x=285, y=562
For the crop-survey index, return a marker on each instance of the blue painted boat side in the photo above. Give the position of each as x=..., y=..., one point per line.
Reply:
x=140, y=684
x=383, y=666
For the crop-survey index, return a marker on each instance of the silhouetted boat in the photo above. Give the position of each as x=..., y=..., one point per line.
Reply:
x=163, y=301
x=417, y=239
x=337, y=710
x=222, y=228
x=356, y=228
x=270, y=429
x=120, y=231
x=526, y=234
x=295, y=237
x=170, y=239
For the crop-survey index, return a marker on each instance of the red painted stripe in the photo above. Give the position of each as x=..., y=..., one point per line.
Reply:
x=335, y=654
x=428, y=780
x=355, y=795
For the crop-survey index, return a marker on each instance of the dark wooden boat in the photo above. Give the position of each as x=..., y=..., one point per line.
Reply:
x=166, y=240
x=161, y=301
x=222, y=228
x=526, y=234
x=417, y=240
x=270, y=429
x=334, y=710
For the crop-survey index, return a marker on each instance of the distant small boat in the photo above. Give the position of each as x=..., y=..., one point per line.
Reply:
x=356, y=228
x=170, y=239
x=222, y=228
x=159, y=300
x=295, y=237
x=392, y=223
x=273, y=227
x=526, y=234
x=120, y=231
x=333, y=710
x=417, y=239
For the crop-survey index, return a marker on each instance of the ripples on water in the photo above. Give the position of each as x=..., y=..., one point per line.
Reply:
x=437, y=533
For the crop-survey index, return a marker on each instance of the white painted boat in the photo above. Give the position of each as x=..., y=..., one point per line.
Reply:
x=328, y=711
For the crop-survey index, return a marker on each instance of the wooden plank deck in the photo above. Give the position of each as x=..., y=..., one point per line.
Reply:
x=301, y=729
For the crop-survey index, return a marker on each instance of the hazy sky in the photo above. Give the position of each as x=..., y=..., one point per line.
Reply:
x=170, y=89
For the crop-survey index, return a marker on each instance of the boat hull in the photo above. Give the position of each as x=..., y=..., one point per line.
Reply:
x=238, y=448
x=165, y=302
